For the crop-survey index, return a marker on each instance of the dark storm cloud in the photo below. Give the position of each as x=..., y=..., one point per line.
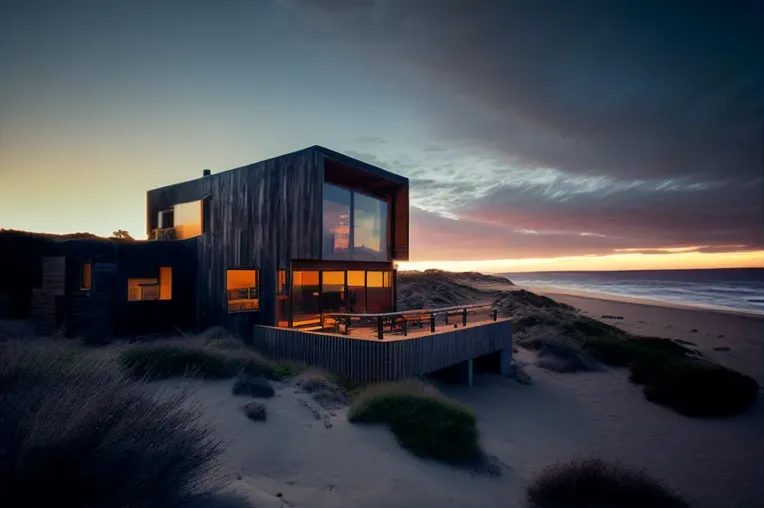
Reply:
x=650, y=115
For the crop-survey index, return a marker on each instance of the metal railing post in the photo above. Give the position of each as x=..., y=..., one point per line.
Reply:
x=432, y=322
x=380, y=329
x=446, y=313
x=495, y=314
x=405, y=326
x=464, y=317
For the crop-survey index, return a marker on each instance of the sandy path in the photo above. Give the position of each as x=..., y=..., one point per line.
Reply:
x=742, y=334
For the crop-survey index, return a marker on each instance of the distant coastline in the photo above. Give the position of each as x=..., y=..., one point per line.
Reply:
x=739, y=290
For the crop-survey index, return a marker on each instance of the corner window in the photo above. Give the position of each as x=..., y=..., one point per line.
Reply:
x=86, y=276
x=354, y=225
x=241, y=288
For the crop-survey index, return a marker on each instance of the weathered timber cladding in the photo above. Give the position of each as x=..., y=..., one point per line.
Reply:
x=370, y=360
x=400, y=247
x=259, y=216
x=43, y=311
x=54, y=275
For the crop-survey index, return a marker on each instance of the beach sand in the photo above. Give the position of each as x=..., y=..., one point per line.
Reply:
x=706, y=329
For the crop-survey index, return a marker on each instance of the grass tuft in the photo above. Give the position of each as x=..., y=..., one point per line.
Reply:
x=592, y=483
x=78, y=433
x=424, y=421
x=166, y=360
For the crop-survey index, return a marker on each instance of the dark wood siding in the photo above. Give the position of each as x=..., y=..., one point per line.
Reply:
x=401, y=224
x=258, y=216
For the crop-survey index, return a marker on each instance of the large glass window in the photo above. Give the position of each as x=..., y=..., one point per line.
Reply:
x=187, y=219
x=369, y=228
x=336, y=233
x=379, y=292
x=355, y=225
x=306, y=307
x=151, y=288
x=282, y=300
x=241, y=287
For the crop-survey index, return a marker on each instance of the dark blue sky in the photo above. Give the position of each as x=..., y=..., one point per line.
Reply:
x=528, y=129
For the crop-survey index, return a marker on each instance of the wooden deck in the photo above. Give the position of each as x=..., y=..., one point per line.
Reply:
x=362, y=357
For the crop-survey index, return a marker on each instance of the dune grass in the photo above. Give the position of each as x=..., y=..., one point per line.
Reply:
x=424, y=421
x=77, y=433
x=174, y=359
x=592, y=483
x=671, y=377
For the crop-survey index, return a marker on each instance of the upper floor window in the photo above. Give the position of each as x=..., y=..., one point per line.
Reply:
x=354, y=225
x=187, y=219
x=241, y=288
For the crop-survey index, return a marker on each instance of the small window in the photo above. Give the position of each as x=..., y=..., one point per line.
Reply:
x=86, y=276
x=165, y=283
x=283, y=289
x=241, y=288
x=142, y=289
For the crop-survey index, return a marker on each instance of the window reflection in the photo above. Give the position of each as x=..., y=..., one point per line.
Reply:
x=336, y=233
x=346, y=212
x=369, y=228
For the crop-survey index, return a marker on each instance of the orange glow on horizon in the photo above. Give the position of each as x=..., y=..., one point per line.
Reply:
x=622, y=261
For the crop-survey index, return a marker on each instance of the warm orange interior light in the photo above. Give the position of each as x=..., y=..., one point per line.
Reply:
x=86, y=276
x=165, y=283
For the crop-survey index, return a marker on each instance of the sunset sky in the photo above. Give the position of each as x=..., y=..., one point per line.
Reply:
x=536, y=135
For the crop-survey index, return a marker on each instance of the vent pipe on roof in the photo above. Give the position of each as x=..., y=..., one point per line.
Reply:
x=206, y=172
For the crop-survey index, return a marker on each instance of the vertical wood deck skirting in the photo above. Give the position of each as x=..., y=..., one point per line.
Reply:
x=385, y=360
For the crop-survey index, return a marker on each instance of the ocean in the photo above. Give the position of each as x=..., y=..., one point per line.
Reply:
x=740, y=289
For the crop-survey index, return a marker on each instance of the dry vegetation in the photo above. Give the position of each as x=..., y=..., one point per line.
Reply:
x=75, y=432
x=592, y=483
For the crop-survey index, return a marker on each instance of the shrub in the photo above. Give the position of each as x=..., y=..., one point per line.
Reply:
x=255, y=411
x=424, y=421
x=592, y=483
x=687, y=385
x=166, y=360
x=254, y=386
x=697, y=388
x=76, y=433
x=324, y=388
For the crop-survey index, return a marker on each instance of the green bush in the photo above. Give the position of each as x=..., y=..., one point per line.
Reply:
x=698, y=388
x=689, y=386
x=76, y=433
x=424, y=421
x=162, y=361
x=592, y=483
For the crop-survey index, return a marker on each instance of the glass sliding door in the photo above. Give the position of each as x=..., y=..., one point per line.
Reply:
x=306, y=308
x=333, y=297
x=357, y=291
x=379, y=291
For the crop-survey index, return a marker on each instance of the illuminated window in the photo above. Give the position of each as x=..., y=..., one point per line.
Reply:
x=148, y=288
x=282, y=300
x=241, y=287
x=142, y=289
x=86, y=276
x=187, y=219
x=165, y=283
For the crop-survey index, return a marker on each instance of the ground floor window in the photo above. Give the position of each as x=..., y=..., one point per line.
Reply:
x=151, y=288
x=319, y=292
x=241, y=288
x=282, y=300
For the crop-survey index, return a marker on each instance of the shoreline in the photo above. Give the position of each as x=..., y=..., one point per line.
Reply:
x=552, y=291
x=733, y=339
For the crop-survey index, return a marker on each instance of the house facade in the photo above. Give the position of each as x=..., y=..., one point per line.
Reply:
x=284, y=241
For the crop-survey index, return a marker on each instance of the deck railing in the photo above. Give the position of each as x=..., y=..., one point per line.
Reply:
x=405, y=321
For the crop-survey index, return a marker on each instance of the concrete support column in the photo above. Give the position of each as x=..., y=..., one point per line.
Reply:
x=505, y=361
x=465, y=372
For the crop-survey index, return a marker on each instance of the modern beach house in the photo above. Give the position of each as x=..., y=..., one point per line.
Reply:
x=296, y=254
